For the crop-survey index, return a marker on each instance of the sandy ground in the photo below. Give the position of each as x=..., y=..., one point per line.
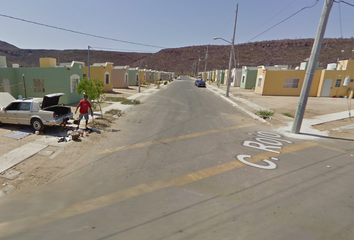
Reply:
x=38, y=169
x=316, y=106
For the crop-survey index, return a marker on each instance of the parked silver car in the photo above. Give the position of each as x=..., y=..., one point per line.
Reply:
x=37, y=112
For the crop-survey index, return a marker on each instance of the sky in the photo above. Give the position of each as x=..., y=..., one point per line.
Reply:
x=164, y=23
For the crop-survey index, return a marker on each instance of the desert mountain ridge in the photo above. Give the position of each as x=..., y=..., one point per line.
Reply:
x=180, y=60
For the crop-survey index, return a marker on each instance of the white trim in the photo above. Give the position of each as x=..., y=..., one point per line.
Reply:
x=72, y=78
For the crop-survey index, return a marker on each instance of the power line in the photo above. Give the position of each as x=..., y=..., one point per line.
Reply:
x=341, y=1
x=77, y=32
x=273, y=16
x=284, y=20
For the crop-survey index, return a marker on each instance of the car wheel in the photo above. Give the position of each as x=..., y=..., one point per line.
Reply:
x=37, y=125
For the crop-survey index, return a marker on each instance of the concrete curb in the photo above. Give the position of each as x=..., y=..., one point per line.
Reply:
x=254, y=116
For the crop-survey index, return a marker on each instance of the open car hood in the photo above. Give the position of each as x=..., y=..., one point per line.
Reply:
x=5, y=99
x=51, y=99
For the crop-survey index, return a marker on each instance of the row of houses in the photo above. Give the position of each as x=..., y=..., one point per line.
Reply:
x=50, y=77
x=337, y=80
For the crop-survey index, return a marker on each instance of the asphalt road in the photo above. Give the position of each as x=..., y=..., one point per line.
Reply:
x=186, y=164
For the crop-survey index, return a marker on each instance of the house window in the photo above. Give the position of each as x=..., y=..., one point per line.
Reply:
x=259, y=83
x=126, y=77
x=338, y=82
x=38, y=85
x=291, y=83
x=106, y=78
x=243, y=78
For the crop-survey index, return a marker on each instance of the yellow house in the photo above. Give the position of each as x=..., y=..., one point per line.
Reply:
x=142, y=75
x=283, y=82
x=47, y=62
x=338, y=82
x=326, y=83
x=102, y=71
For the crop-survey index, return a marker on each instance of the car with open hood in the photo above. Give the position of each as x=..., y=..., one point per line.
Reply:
x=37, y=112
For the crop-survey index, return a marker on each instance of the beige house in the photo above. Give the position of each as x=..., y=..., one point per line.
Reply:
x=120, y=77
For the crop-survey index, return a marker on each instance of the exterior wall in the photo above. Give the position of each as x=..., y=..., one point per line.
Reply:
x=100, y=72
x=348, y=71
x=133, y=77
x=9, y=73
x=47, y=62
x=152, y=74
x=248, y=77
x=148, y=75
x=142, y=75
x=236, y=75
x=55, y=80
x=120, y=77
x=273, y=82
x=3, y=63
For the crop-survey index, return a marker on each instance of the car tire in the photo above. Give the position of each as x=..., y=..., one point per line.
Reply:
x=37, y=124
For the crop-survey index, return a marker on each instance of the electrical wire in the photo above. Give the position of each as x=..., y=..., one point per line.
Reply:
x=307, y=7
x=77, y=32
x=273, y=16
x=341, y=1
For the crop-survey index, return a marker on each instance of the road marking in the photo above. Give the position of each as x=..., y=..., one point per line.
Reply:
x=145, y=144
x=333, y=149
x=11, y=227
x=105, y=200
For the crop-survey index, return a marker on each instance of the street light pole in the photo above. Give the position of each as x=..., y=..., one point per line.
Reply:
x=305, y=91
x=139, y=78
x=206, y=60
x=231, y=55
x=198, y=63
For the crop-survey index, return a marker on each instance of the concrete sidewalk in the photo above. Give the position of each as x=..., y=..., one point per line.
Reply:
x=318, y=110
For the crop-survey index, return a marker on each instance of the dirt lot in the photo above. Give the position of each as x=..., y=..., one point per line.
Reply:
x=43, y=168
x=339, y=129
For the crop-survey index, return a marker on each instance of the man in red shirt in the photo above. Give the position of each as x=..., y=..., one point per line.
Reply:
x=84, y=105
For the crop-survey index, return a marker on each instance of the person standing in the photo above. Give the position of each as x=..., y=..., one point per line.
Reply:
x=84, y=106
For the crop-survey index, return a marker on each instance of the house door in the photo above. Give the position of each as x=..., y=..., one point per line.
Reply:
x=326, y=88
x=6, y=84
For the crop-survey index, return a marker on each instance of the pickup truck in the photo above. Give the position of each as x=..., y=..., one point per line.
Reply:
x=36, y=112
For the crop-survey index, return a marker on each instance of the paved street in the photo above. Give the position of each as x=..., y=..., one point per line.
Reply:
x=187, y=164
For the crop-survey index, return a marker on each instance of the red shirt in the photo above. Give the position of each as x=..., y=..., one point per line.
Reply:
x=84, y=105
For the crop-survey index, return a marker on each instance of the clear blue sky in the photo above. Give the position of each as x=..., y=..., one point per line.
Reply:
x=165, y=23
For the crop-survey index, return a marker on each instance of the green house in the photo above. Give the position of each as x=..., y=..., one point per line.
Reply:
x=40, y=81
x=248, y=77
x=133, y=77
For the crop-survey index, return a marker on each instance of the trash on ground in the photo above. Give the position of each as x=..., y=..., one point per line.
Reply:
x=329, y=166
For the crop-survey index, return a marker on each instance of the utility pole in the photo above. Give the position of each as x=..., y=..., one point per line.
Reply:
x=299, y=115
x=88, y=61
x=24, y=84
x=139, y=76
x=231, y=55
x=206, y=61
x=198, y=63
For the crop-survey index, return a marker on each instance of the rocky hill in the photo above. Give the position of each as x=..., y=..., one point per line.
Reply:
x=30, y=57
x=180, y=60
x=281, y=52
